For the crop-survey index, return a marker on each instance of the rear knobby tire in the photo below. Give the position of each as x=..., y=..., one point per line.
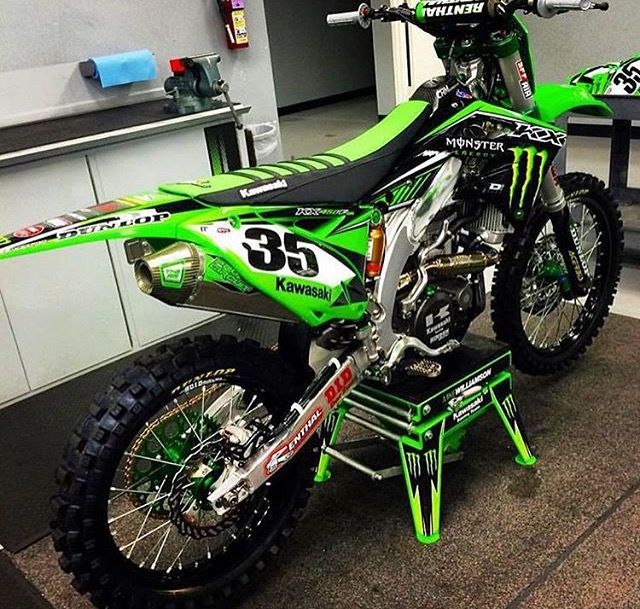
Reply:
x=518, y=249
x=80, y=530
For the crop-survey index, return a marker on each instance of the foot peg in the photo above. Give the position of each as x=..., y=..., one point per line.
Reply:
x=425, y=368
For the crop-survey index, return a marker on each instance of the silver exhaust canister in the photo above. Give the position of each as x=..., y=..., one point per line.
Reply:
x=173, y=274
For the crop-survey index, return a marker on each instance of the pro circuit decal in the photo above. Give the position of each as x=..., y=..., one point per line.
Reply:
x=247, y=193
x=288, y=448
x=272, y=249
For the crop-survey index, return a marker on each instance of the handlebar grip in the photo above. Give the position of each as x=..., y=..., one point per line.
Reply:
x=359, y=17
x=550, y=8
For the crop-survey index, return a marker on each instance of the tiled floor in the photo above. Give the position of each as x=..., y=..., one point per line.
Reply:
x=320, y=129
x=312, y=131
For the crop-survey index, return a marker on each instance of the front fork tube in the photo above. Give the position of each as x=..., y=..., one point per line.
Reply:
x=566, y=235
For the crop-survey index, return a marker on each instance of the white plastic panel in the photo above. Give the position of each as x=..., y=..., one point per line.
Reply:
x=138, y=166
x=63, y=306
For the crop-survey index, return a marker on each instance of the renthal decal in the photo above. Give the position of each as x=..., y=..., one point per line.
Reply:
x=452, y=8
x=289, y=447
x=29, y=231
x=121, y=222
x=463, y=143
x=301, y=289
x=246, y=193
x=536, y=133
x=525, y=85
x=339, y=387
x=528, y=171
x=320, y=211
x=273, y=249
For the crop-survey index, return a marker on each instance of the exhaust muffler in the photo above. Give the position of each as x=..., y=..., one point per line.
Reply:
x=173, y=274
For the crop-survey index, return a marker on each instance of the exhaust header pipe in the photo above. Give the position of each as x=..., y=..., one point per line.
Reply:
x=173, y=274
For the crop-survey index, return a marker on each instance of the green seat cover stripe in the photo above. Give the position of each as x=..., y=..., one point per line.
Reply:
x=385, y=131
x=368, y=143
x=330, y=160
x=317, y=163
x=281, y=171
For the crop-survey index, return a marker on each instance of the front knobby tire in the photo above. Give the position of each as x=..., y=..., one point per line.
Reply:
x=94, y=540
x=547, y=331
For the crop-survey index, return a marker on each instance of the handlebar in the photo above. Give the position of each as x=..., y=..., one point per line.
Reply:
x=360, y=17
x=493, y=8
x=550, y=8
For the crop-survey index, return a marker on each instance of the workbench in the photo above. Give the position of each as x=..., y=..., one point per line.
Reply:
x=65, y=312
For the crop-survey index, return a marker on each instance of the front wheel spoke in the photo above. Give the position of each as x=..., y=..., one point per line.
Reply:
x=543, y=316
x=588, y=255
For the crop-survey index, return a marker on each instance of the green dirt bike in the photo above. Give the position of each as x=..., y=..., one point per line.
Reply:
x=195, y=464
x=619, y=78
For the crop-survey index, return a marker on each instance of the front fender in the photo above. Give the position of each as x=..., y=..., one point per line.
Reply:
x=554, y=100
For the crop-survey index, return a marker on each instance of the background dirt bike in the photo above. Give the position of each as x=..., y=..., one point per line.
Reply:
x=193, y=466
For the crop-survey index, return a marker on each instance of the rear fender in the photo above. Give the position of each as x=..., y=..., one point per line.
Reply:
x=150, y=215
x=555, y=100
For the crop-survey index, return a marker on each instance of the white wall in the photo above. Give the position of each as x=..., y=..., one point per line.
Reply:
x=311, y=60
x=565, y=44
x=41, y=42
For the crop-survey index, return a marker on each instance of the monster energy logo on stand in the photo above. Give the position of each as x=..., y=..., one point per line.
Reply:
x=528, y=171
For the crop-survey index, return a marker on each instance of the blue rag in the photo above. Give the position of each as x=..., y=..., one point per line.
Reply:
x=125, y=68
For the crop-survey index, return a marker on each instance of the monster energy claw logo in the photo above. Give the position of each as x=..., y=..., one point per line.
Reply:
x=528, y=171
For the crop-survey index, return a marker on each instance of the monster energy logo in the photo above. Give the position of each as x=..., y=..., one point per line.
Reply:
x=528, y=171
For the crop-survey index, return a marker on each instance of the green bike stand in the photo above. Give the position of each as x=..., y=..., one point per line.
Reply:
x=426, y=419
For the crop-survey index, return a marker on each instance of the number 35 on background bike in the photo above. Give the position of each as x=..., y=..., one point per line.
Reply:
x=194, y=465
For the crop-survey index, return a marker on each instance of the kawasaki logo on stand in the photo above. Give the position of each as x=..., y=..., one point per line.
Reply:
x=528, y=171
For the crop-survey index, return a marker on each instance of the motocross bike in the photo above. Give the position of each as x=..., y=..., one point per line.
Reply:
x=195, y=464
